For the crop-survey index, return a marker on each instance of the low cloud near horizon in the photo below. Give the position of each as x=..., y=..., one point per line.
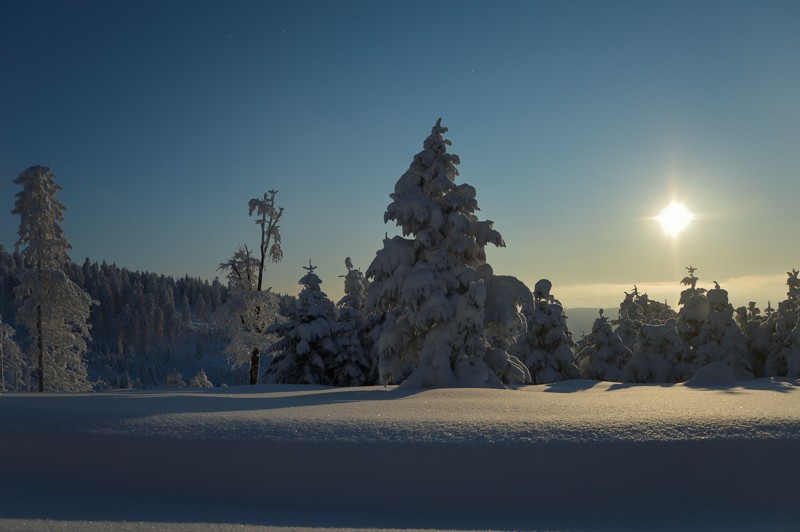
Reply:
x=741, y=290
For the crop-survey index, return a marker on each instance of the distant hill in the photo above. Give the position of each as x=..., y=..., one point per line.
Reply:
x=580, y=320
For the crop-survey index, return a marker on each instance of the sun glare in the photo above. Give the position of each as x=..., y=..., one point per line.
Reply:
x=675, y=218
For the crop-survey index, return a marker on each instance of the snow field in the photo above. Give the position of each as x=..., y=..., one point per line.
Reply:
x=573, y=455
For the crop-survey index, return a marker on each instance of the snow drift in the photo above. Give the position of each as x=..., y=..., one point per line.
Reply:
x=576, y=454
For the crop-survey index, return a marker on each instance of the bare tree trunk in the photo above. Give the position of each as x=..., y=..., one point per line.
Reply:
x=40, y=346
x=254, y=363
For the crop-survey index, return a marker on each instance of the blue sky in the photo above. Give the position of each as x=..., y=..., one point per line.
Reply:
x=575, y=121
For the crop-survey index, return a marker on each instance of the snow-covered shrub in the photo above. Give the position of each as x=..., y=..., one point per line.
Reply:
x=605, y=355
x=546, y=346
x=428, y=286
x=306, y=345
x=200, y=380
x=175, y=380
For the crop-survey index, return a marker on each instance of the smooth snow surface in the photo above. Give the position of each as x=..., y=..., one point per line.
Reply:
x=572, y=455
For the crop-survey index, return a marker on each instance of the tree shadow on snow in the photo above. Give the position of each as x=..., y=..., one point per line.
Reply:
x=780, y=385
x=572, y=386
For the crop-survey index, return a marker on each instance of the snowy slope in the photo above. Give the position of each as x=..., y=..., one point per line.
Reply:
x=576, y=455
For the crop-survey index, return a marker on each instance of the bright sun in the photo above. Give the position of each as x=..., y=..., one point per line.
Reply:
x=675, y=218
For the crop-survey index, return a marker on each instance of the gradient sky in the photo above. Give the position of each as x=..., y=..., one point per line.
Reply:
x=577, y=122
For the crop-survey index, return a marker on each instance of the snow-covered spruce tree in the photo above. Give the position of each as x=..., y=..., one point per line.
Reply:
x=306, y=345
x=653, y=312
x=691, y=318
x=630, y=319
x=546, y=347
x=636, y=309
x=53, y=308
x=656, y=354
x=783, y=359
x=756, y=331
x=427, y=285
x=13, y=366
x=605, y=355
x=720, y=338
x=353, y=366
x=246, y=275
x=506, y=296
x=709, y=332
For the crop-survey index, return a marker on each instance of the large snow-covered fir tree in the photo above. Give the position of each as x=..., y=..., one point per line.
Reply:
x=353, y=365
x=52, y=307
x=546, y=347
x=605, y=355
x=306, y=345
x=254, y=307
x=426, y=282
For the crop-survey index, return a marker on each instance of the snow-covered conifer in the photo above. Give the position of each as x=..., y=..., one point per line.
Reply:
x=506, y=296
x=353, y=365
x=692, y=316
x=422, y=283
x=656, y=354
x=630, y=319
x=53, y=308
x=783, y=359
x=186, y=311
x=709, y=332
x=202, y=308
x=721, y=339
x=306, y=345
x=637, y=308
x=546, y=347
x=13, y=366
x=605, y=355
x=756, y=331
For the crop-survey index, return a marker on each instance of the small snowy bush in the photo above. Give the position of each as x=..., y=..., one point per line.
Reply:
x=200, y=380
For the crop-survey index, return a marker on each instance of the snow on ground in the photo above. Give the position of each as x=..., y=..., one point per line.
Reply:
x=572, y=455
